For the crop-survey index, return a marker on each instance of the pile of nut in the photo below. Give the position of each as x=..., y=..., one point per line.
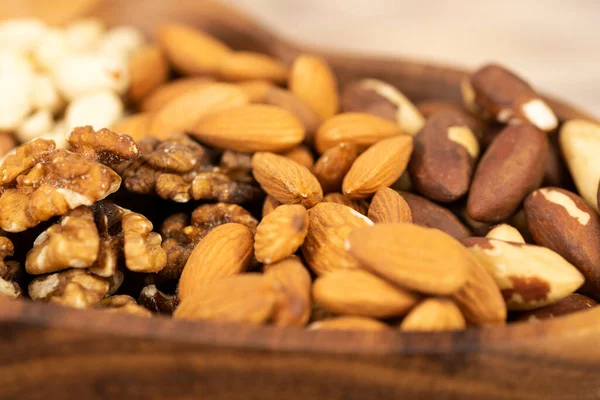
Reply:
x=247, y=190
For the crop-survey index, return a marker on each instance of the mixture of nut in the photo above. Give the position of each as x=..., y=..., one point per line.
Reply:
x=248, y=190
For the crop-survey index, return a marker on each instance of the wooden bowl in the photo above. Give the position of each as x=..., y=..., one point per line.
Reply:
x=47, y=351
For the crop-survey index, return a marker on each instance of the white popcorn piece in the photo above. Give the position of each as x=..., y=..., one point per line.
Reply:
x=16, y=84
x=100, y=110
x=84, y=34
x=44, y=95
x=36, y=125
x=121, y=41
x=21, y=34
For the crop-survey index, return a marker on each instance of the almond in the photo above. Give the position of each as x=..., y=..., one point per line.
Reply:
x=247, y=65
x=248, y=298
x=329, y=225
x=387, y=206
x=289, y=101
x=356, y=292
x=333, y=165
x=292, y=280
x=269, y=205
x=250, y=128
x=280, y=233
x=435, y=314
x=184, y=112
x=148, y=69
x=528, y=276
x=360, y=129
x=313, y=81
x=378, y=167
x=137, y=125
x=570, y=304
x=286, y=180
x=225, y=251
x=396, y=252
x=166, y=92
x=563, y=222
x=349, y=324
x=191, y=51
x=301, y=154
x=506, y=233
x=256, y=89
x=358, y=205
x=480, y=299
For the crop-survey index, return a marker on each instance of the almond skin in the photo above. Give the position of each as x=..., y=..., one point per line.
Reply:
x=280, y=233
x=251, y=128
x=301, y=154
x=395, y=252
x=247, y=298
x=333, y=165
x=256, y=90
x=137, y=125
x=360, y=129
x=248, y=65
x=356, y=292
x=166, y=92
x=184, y=112
x=358, y=205
x=292, y=280
x=269, y=205
x=313, y=81
x=225, y=251
x=289, y=101
x=562, y=221
x=378, y=167
x=329, y=225
x=349, y=324
x=387, y=206
x=435, y=314
x=286, y=180
x=191, y=51
x=148, y=69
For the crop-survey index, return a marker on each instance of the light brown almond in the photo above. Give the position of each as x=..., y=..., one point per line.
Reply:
x=166, y=92
x=225, y=251
x=247, y=298
x=250, y=128
x=137, y=125
x=248, y=65
x=280, y=233
x=435, y=314
x=289, y=101
x=292, y=280
x=329, y=225
x=359, y=205
x=378, y=167
x=184, y=112
x=269, y=205
x=360, y=129
x=349, y=324
x=301, y=154
x=256, y=89
x=417, y=258
x=148, y=69
x=312, y=80
x=333, y=165
x=357, y=292
x=387, y=206
x=191, y=51
x=286, y=180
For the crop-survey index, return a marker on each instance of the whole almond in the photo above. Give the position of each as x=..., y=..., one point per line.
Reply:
x=184, y=112
x=387, y=206
x=435, y=314
x=384, y=100
x=505, y=232
x=329, y=225
x=137, y=125
x=378, y=167
x=313, y=81
x=289, y=101
x=166, y=92
x=301, y=154
x=248, y=65
x=256, y=90
x=349, y=324
x=286, y=180
x=528, y=276
x=396, y=253
x=358, y=205
x=356, y=292
x=292, y=280
x=360, y=129
x=248, y=298
x=250, y=128
x=570, y=304
x=333, y=165
x=579, y=142
x=280, y=233
x=225, y=251
x=431, y=215
x=444, y=156
x=269, y=205
x=563, y=222
x=148, y=69
x=191, y=51
x=480, y=299
x=511, y=168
